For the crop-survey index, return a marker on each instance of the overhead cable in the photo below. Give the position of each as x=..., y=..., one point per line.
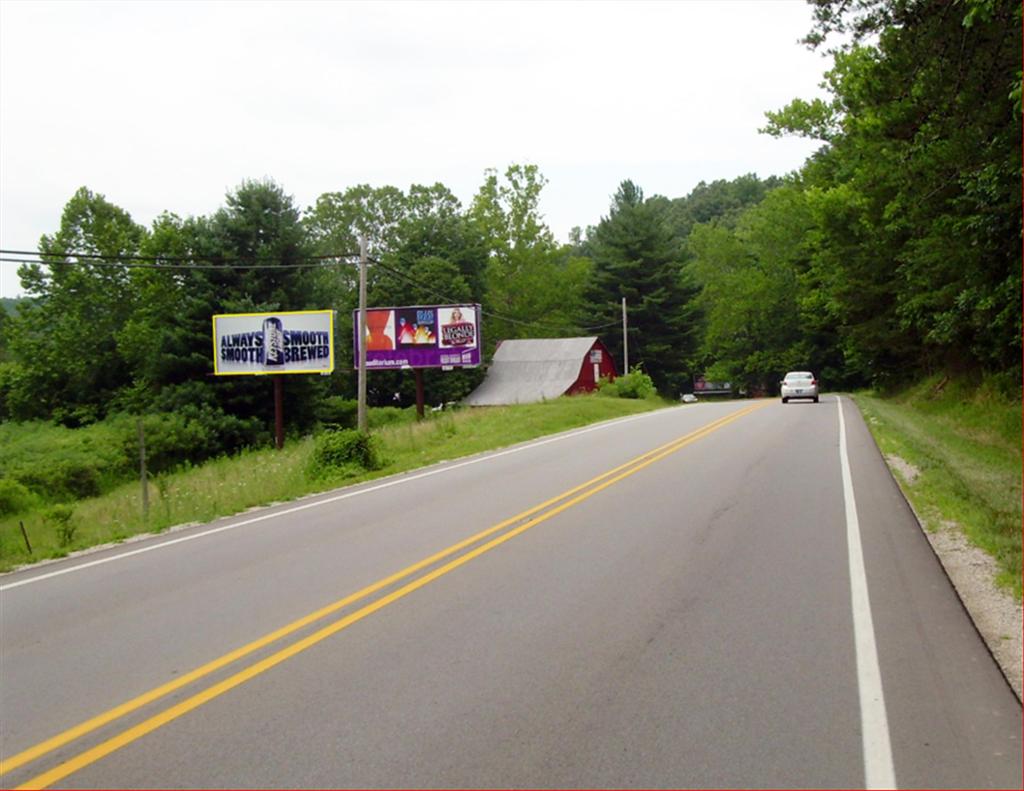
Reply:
x=187, y=263
x=489, y=314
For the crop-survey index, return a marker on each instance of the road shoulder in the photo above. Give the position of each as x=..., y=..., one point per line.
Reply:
x=972, y=572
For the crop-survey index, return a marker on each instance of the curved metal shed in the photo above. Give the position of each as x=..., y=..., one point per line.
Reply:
x=535, y=369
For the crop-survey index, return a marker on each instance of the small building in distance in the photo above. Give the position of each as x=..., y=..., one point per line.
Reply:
x=535, y=369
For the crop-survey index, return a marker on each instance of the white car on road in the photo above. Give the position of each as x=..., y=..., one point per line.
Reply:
x=799, y=384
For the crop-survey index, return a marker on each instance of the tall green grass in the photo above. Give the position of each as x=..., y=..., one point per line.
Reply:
x=964, y=437
x=252, y=478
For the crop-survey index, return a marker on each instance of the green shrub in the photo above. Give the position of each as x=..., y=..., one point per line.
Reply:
x=171, y=440
x=635, y=384
x=60, y=464
x=14, y=497
x=60, y=480
x=226, y=432
x=608, y=388
x=77, y=415
x=78, y=479
x=333, y=451
x=8, y=375
x=60, y=517
x=336, y=412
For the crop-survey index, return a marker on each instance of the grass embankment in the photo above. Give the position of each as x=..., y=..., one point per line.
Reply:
x=964, y=439
x=258, y=477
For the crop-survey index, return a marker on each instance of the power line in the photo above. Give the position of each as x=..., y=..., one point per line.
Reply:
x=176, y=263
x=124, y=257
x=189, y=263
x=167, y=266
x=446, y=299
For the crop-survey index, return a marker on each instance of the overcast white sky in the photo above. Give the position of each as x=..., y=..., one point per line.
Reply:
x=168, y=106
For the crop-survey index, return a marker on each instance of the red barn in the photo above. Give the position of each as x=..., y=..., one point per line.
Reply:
x=535, y=369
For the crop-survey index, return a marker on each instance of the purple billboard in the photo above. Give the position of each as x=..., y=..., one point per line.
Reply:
x=420, y=336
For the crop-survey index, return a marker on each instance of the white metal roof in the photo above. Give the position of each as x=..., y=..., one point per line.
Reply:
x=530, y=370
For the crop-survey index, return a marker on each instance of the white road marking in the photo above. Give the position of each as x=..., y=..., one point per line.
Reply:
x=878, y=766
x=295, y=509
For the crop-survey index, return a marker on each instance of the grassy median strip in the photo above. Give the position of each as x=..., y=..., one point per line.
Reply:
x=962, y=442
x=258, y=477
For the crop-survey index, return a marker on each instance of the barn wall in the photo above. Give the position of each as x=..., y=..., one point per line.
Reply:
x=585, y=382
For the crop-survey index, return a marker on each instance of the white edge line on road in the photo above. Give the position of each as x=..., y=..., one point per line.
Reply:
x=879, y=771
x=295, y=509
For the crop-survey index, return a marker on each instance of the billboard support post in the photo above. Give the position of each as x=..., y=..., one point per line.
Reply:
x=361, y=421
x=418, y=373
x=279, y=411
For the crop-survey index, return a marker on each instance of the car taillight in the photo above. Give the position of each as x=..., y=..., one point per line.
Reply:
x=814, y=383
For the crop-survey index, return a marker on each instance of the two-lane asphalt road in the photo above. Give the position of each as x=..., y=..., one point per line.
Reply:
x=726, y=595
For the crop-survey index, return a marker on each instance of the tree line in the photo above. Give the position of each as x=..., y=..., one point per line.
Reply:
x=893, y=252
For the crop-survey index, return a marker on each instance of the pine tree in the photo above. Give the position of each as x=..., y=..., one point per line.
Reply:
x=636, y=257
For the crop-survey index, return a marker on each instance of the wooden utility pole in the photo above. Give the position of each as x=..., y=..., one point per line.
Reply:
x=142, y=470
x=625, y=340
x=361, y=380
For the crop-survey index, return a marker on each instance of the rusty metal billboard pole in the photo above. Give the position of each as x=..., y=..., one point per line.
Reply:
x=418, y=373
x=278, y=411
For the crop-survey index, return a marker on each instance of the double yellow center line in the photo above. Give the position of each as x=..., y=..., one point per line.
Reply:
x=533, y=516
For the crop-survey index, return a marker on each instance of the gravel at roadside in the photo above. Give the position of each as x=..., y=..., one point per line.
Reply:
x=997, y=616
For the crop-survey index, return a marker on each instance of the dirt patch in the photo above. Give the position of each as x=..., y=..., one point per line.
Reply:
x=904, y=468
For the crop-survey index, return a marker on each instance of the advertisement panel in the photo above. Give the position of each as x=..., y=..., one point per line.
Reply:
x=419, y=336
x=283, y=342
x=703, y=386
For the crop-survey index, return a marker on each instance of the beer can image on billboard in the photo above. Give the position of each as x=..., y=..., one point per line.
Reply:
x=273, y=341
